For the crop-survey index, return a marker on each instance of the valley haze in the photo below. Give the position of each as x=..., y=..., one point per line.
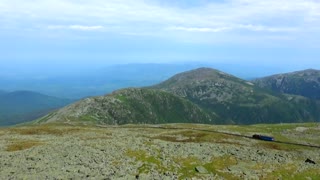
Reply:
x=46, y=39
x=56, y=48
x=74, y=82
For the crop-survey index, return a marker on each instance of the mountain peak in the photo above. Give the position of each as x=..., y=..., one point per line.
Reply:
x=198, y=76
x=311, y=69
x=203, y=72
x=305, y=83
x=308, y=72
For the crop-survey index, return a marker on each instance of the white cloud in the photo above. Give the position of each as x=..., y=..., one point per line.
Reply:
x=148, y=16
x=197, y=29
x=266, y=28
x=76, y=27
x=85, y=28
x=249, y=27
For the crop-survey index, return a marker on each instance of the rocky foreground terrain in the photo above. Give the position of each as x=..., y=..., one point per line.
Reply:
x=57, y=151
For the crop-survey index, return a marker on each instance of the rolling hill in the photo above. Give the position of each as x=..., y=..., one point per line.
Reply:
x=305, y=83
x=131, y=106
x=22, y=106
x=238, y=101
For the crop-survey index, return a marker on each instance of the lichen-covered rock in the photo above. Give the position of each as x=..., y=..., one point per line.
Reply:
x=201, y=169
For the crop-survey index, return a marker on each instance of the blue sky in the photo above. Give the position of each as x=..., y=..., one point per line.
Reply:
x=70, y=33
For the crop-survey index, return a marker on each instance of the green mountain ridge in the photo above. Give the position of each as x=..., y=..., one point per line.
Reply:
x=305, y=83
x=131, y=106
x=238, y=101
x=22, y=106
x=202, y=95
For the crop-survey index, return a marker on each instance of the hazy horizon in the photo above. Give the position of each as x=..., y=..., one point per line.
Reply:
x=47, y=45
x=68, y=35
x=41, y=72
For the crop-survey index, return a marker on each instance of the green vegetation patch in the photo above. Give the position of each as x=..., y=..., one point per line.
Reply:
x=312, y=173
x=219, y=165
x=195, y=136
x=288, y=171
x=48, y=129
x=282, y=146
x=149, y=161
x=122, y=98
x=186, y=166
x=87, y=118
x=22, y=145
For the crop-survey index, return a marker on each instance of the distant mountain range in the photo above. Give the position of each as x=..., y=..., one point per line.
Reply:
x=202, y=95
x=2, y=92
x=95, y=82
x=81, y=83
x=23, y=106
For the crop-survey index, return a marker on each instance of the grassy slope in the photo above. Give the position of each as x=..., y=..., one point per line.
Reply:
x=132, y=106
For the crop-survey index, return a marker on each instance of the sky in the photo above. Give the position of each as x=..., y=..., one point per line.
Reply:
x=44, y=34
